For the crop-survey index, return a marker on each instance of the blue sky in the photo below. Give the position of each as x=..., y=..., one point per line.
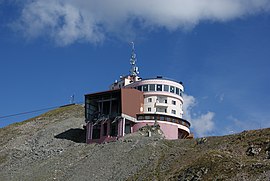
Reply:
x=219, y=49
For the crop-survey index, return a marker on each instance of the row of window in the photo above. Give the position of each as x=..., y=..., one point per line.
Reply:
x=163, y=118
x=165, y=110
x=160, y=87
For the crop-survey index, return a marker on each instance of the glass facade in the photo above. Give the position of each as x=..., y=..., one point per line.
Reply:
x=164, y=118
x=152, y=87
x=177, y=90
x=145, y=88
x=166, y=88
x=160, y=87
x=172, y=89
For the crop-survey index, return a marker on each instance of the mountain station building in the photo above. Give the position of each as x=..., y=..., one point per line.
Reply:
x=132, y=103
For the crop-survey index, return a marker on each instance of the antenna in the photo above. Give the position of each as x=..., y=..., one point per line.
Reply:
x=134, y=71
x=72, y=99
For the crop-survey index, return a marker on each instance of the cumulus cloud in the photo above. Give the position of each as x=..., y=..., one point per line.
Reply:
x=62, y=22
x=202, y=124
x=189, y=103
x=68, y=21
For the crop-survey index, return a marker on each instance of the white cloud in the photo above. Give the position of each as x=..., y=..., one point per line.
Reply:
x=189, y=103
x=202, y=124
x=63, y=22
x=68, y=21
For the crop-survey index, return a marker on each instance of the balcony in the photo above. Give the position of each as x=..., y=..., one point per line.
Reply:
x=161, y=104
x=97, y=117
x=163, y=117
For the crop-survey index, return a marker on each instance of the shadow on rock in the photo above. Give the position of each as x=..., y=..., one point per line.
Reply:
x=77, y=135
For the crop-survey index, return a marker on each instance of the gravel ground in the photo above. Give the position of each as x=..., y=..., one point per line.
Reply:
x=51, y=147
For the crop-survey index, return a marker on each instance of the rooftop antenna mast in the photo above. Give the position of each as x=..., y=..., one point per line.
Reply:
x=134, y=71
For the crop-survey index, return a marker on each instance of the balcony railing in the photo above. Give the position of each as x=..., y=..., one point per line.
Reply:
x=98, y=116
x=161, y=104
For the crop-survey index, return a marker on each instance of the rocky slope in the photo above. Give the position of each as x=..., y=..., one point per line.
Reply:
x=51, y=147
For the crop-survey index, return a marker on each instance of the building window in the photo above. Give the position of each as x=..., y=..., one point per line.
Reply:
x=159, y=87
x=177, y=91
x=161, y=118
x=166, y=88
x=139, y=88
x=149, y=99
x=147, y=117
x=165, y=110
x=173, y=102
x=172, y=89
x=165, y=101
x=152, y=87
x=173, y=111
x=145, y=88
x=149, y=109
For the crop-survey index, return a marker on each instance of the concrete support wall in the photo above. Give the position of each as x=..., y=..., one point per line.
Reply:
x=121, y=127
x=89, y=132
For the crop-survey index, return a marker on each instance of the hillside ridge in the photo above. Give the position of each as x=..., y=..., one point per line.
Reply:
x=52, y=147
